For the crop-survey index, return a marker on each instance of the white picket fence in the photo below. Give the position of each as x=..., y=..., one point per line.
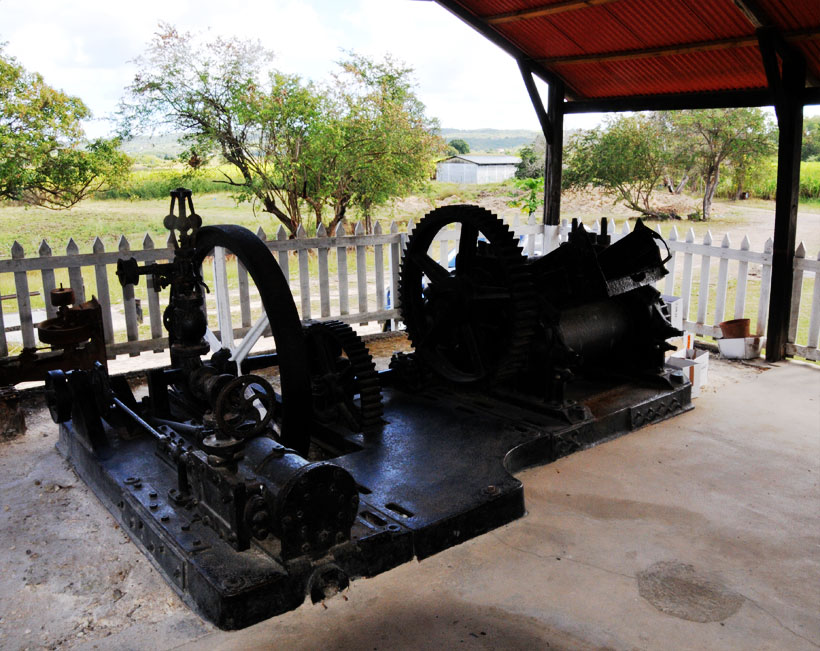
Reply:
x=715, y=282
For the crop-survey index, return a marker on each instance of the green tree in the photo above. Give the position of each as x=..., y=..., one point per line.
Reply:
x=44, y=157
x=293, y=143
x=811, y=139
x=531, y=196
x=713, y=138
x=532, y=159
x=461, y=146
x=626, y=158
x=382, y=144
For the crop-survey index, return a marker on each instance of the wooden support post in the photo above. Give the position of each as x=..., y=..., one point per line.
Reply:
x=789, y=109
x=555, y=156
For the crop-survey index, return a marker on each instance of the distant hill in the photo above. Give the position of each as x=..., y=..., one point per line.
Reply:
x=491, y=140
x=161, y=146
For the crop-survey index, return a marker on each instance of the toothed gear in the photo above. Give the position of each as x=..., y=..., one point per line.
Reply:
x=344, y=380
x=474, y=322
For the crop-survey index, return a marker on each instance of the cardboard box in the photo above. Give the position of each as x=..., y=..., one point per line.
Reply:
x=675, y=305
x=742, y=348
x=694, y=364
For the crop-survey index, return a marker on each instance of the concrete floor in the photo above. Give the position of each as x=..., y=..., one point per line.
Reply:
x=702, y=532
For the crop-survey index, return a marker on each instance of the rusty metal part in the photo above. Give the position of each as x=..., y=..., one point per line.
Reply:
x=76, y=338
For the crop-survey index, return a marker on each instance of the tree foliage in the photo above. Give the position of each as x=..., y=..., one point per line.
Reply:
x=531, y=196
x=626, y=157
x=533, y=159
x=631, y=154
x=461, y=146
x=811, y=139
x=710, y=139
x=44, y=158
x=358, y=141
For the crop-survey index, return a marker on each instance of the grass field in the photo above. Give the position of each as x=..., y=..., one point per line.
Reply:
x=110, y=219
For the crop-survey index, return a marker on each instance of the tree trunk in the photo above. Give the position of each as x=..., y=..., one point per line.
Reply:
x=709, y=191
x=271, y=207
x=682, y=184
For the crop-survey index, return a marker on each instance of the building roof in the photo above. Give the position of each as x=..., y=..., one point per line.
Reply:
x=487, y=159
x=605, y=50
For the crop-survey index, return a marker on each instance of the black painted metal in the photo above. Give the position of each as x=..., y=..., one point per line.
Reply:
x=243, y=526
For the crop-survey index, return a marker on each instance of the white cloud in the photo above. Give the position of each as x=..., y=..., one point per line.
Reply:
x=85, y=46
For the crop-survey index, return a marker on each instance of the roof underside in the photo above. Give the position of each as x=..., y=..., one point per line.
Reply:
x=613, y=49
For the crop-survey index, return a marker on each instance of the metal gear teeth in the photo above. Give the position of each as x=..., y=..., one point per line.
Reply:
x=364, y=370
x=522, y=290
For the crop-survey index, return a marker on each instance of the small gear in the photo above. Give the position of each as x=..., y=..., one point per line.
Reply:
x=344, y=381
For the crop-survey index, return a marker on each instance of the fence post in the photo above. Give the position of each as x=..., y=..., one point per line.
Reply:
x=304, y=274
x=129, y=306
x=669, y=287
x=341, y=269
x=686, y=281
x=75, y=272
x=244, y=291
x=223, y=299
x=361, y=269
x=23, y=299
x=814, y=322
x=378, y=255
x=283, y=257
x=703, y=293
x=103, y=293
x=48, y=280
x=765, y=289
x=797, y=291
x=395, y=267
x=722, y=282
x=322, y=249
x=742, y=279
x=154, y=311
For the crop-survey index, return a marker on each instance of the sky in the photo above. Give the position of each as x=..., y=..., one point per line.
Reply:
x=87, y=48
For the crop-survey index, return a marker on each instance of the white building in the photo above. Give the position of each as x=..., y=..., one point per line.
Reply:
x=476, y=169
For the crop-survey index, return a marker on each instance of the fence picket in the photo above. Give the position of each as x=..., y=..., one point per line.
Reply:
x=361, y=270
x=23, y=298
x=341, y=267
x=797, y=291
x=104, y=294
x=531, y=237
x=395, y=267
x=814, y=321
x=223, y=299
x=282, y=258
x=669, y=287
x=304, y=274
x=722, y=282
x=128, y=302
x=154, y=310
x=4, y=346
x=686, y=280
x=324, y=282
x=742, y=279
x=378, y=255
x=703, y=293
x=48, y=280
x=765, y=288
x=75, y=272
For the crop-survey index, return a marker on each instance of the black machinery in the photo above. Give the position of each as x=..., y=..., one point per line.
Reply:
x=251, y=485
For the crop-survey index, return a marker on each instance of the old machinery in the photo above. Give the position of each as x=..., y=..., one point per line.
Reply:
x=75, y=338
x=254, y=479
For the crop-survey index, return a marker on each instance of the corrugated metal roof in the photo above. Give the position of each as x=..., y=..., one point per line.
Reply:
x=620, y=48
x=487, y=159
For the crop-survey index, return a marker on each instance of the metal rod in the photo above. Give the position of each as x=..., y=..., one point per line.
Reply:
x=137, y=419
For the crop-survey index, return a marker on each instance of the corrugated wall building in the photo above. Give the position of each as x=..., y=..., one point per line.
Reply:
x=476, y=169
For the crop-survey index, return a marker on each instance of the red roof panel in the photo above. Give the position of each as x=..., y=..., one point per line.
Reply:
x=615, y=30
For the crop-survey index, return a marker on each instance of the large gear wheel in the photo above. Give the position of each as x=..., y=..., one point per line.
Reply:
x=473, y=320
x=344, y=381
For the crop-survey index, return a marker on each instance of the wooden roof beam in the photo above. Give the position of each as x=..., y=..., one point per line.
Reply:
x=674, y=50
x=544, y=10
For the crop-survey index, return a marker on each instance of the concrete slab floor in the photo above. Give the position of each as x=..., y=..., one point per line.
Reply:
x=702, y=532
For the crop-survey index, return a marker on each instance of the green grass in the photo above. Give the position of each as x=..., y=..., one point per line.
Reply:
x=765, y=185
